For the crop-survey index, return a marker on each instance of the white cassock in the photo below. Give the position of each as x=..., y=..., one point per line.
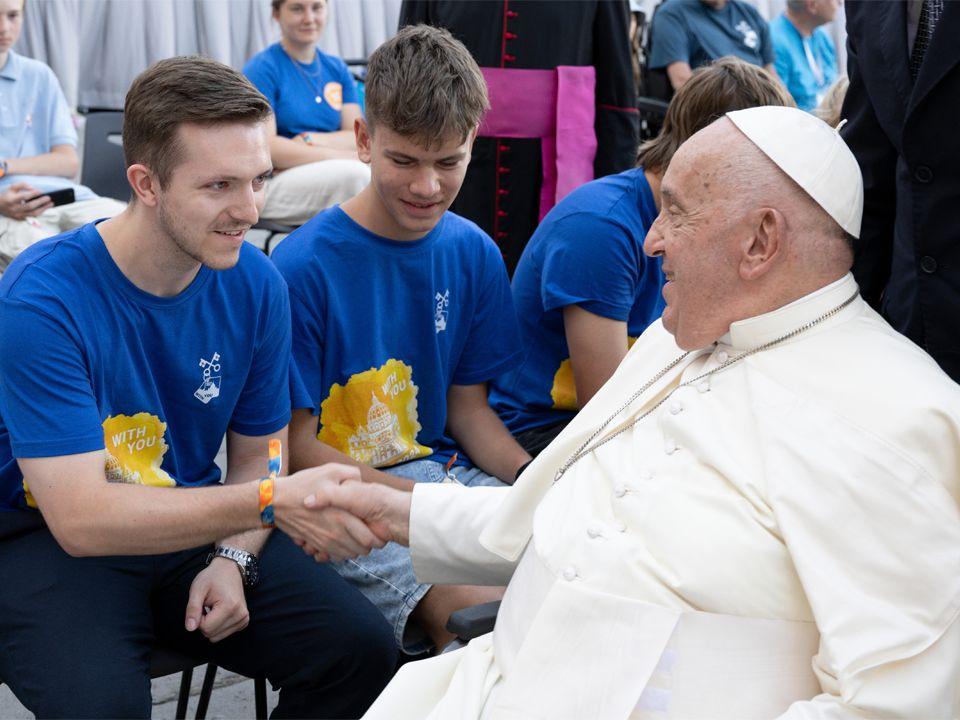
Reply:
x=779, y=539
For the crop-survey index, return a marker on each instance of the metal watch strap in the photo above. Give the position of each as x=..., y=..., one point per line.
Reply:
x=247, y=562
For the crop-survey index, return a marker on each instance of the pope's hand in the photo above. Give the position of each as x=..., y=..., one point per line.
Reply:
x=385, y=510
x=334, y=533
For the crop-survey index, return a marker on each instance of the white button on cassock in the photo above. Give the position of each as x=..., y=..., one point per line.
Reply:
x=675, y=408
x=722, y=357
x=594, y=531
x=703, y=386
x=570, y=573
x=619, y=490
x=620, y=527
x=670, y=446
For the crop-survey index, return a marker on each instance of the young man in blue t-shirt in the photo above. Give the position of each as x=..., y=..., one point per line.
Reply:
x=806, y=60
x=128, y=349
x=402, y=313
x=38, y=150
x=687, y=34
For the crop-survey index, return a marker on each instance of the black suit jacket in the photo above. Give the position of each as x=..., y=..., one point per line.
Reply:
x=906, y=137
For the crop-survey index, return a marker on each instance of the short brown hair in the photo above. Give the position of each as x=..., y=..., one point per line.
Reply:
x=726, y=84
x=424, y=84
x=190, y=89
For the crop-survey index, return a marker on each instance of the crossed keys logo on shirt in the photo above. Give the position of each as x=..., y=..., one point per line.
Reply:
x=211, y=382
x=441, y=309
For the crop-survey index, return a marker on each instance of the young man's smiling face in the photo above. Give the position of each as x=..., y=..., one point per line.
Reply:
x=214, y=194
x=412, y=185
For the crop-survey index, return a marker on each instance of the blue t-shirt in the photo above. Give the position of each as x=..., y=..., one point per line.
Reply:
x=588, y=251
x=34, y=117
x=807, y=82
x=691, y=32
x=89, y=361
x=294, y=88
x=382, y=328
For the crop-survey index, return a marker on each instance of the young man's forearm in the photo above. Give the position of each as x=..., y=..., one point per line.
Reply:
x=121, y=519
x=488, y=443
x=61, y=162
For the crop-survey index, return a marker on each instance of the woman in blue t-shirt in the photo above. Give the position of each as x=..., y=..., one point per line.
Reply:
x=315, y=103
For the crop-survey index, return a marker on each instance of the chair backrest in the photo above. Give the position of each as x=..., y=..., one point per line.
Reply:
x=654, y=83
x=104, y=170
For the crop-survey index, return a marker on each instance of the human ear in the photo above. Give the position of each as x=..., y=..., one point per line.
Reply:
x=143, y=183
x=761, y=248
x=362, y=134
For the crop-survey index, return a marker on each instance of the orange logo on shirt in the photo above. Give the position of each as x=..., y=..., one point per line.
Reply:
x=333, y=94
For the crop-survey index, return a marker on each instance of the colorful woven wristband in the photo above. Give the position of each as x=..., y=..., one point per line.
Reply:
x=268, y=483
x=266, y=502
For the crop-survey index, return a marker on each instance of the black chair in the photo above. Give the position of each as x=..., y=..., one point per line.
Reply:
x=103, y=169
x=273, y=229
x=165, y=662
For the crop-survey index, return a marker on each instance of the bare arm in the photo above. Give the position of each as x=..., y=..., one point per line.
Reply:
x=247, y=461
x=475, y=426
x=678, y=72
x=287, y=153
x=307, y=451
x=90, y=516
x=597, y=346
x=61, y=161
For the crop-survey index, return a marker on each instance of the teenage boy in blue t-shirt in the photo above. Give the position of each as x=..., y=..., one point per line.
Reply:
x=402, y=313
x=128, y=349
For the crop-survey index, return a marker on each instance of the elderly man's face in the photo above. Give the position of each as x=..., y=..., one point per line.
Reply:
x=695, y=234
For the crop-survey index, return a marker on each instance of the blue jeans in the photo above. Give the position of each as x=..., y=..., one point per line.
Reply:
x=76, y=633
x=386, y=577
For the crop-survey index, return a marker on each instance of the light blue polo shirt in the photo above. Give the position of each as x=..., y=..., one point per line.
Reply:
x=807, y=66
x=34, y=117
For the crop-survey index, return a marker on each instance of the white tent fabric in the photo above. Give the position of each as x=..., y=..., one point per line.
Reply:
x=97, y=47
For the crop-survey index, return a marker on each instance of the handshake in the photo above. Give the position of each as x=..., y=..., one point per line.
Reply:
x=333, y=515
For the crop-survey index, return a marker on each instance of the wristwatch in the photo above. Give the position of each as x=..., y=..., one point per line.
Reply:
x=247, y=562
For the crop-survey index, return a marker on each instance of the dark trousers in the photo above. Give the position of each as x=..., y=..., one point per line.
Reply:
x=535, y=440
x=76, y=633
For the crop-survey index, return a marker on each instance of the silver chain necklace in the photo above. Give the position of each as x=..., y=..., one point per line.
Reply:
x=308, y=77
x=586, y=448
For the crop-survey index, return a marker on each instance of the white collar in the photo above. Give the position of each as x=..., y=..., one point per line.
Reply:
x=753, y=332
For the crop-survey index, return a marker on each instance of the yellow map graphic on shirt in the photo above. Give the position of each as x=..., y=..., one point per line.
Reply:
x=564, y=390
x=373, y=418
x=135, y=449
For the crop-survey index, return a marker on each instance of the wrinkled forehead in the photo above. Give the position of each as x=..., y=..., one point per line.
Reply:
x=701, y=167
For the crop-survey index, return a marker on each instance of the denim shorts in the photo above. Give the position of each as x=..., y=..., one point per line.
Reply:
x=385, y=576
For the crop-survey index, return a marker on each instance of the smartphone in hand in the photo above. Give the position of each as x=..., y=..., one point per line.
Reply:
x=58, y=197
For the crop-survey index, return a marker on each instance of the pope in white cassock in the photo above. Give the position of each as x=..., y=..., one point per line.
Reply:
x=756, y=517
